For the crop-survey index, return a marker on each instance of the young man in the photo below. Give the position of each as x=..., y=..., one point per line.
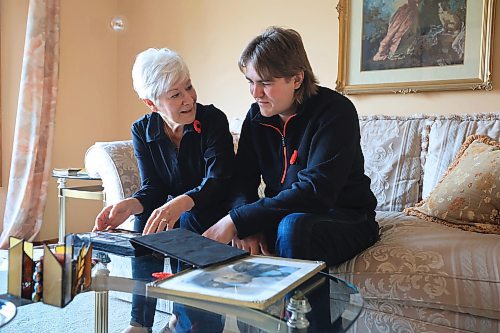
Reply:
x=304, y=141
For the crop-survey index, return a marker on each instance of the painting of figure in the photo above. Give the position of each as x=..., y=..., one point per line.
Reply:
x=412, y=33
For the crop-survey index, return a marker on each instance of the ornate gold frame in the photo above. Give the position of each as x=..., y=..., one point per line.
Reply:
x=481, y=80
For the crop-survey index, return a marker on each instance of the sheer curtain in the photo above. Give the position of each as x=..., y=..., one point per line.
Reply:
x=32, y=148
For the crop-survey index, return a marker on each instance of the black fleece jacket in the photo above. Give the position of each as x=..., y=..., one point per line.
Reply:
x=311, y=164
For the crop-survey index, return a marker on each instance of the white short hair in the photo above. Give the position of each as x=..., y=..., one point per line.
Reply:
x=155, y=71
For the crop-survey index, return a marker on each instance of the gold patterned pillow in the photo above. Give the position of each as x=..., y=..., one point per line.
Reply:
x=468, y=195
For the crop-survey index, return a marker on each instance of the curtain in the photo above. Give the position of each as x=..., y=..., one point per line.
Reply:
x=33, y=136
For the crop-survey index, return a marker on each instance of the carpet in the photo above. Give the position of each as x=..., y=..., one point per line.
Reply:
x=78, y=316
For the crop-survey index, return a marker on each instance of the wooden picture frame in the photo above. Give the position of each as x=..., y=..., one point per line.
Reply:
x=398, y=46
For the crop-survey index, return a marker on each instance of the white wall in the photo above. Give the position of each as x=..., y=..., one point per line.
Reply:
x=210, y=34
x=96, y=100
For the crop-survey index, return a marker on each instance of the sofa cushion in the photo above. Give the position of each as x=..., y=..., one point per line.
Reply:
x=392, y=147
x=400, y=317
x=468, y=196
x=428, y=265
x=446, y=136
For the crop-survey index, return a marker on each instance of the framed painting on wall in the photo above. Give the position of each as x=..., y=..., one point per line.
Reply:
x=405, y=46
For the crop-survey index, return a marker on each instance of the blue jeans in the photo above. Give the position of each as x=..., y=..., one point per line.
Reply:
x=333, y=237
x=143, y=308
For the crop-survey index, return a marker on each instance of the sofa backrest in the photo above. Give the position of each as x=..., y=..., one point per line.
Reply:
x=405, y=157
x=392, y=147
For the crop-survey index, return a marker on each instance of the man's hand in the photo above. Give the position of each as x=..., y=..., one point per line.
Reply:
x=255, y=244
x=112, y=216
x=164, y=217
x=223, y=231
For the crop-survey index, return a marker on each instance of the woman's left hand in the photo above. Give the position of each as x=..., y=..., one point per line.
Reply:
x=165, y=217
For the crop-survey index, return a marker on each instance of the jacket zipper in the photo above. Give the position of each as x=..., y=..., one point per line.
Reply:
x=283, y=144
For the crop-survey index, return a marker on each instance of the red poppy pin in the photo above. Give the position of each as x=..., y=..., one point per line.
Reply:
x=197, y=126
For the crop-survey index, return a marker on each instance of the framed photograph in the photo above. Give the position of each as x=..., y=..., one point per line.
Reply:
x=254, y=281
x=406, y=46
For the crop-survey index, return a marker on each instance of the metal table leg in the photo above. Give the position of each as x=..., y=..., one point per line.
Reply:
x=101, y=297
x=62, y=209
x=101, y=312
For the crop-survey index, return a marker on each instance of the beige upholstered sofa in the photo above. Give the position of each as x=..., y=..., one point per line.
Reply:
x=421, y=276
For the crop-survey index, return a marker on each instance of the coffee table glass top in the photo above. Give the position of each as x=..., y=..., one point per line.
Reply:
x=324, y=303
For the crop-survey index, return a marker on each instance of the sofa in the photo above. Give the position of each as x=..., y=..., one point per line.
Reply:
x=422, y=275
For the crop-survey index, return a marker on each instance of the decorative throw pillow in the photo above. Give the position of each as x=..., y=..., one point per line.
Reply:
x=446, y=134
x=468, y=195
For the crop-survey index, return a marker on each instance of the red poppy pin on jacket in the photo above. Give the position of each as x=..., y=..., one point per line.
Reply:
x=197, y=126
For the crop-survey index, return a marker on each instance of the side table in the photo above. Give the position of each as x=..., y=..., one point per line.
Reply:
x=92, y=192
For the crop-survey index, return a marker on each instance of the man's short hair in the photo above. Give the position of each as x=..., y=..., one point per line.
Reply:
x=280, y=53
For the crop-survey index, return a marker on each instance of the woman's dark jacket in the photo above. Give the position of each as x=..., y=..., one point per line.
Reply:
x=201, y=168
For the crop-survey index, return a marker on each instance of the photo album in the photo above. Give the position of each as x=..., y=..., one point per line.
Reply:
x=115, y=241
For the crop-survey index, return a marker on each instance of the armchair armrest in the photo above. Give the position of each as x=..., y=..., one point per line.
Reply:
x=115, y=163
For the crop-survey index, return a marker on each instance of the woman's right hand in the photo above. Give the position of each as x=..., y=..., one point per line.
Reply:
x=112, y=216
x=255, y=244
x=165, y=216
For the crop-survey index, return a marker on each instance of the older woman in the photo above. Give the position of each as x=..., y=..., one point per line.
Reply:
x=185, y=155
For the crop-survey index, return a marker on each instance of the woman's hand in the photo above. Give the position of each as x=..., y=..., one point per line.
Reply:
x=112, y=216
x=255, y=244
x=164, y=217
x=223, y=231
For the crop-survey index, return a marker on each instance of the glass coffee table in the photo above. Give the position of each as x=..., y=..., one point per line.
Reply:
x=323, y=303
